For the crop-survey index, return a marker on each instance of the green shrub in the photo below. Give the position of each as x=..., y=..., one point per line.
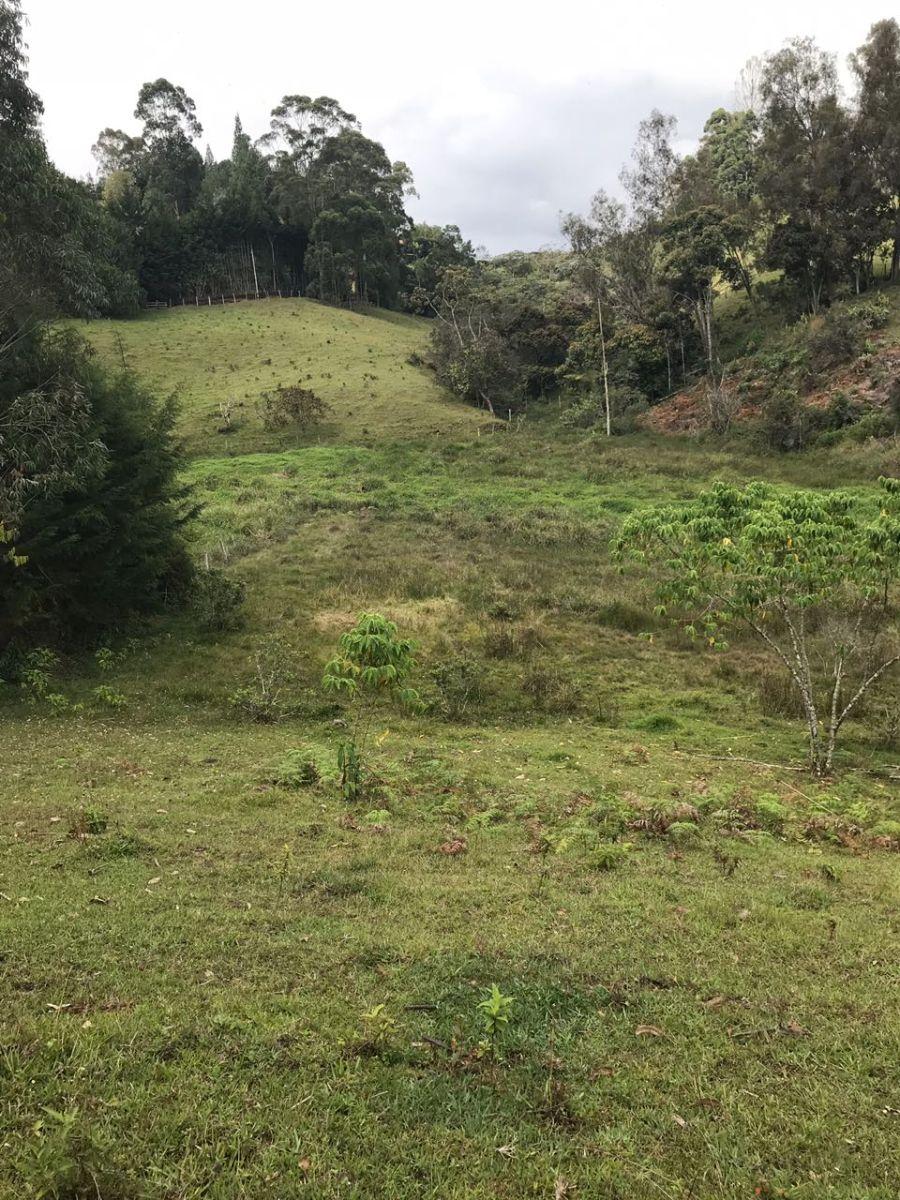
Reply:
x=102, y=527
x=292, y=405
x=551, y=690
x=107, y=697
x=771, y=814
x=610, y=814
x=778, y=696
x=683, y=832
x=88, y=822
x=870, y=312
x=216, y=600
x=460, y=683
x=297, y=769
x=607, y=856
x=267, y=698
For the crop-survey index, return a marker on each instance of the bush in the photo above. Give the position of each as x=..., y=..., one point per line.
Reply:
x=606, y=856
x=292, y=405
x=297, y=769
x=216, y=600
x=265, y=699
x=788, y=424
x=551, y=690
x=835, y=339
x=460, y=683
x=771, y=814
x=102, y=527
x=870, y=312
x=108, y=697
x=777, y=695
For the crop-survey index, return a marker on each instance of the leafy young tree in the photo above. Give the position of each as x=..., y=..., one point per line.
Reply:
x=812, y=577
x=700, y=246
x=430, y=250
x=372, y=666
x=590, y=240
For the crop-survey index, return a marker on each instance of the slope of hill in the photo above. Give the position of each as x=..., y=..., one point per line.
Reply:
x=219, y=979
x=857, y=345
x=357, y=362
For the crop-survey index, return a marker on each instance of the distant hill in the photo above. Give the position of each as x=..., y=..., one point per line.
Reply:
x=359, y=362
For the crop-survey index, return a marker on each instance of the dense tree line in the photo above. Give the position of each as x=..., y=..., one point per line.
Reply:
x=792, y=198
x=312, y=207
x=90, y=508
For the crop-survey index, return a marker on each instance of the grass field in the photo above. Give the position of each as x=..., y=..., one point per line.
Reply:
x=701, y=951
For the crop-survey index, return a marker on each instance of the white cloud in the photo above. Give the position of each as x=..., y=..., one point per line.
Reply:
x=506, y=113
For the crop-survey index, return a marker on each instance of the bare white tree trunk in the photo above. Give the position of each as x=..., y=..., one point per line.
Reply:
x=604, y=368
x=255, y=279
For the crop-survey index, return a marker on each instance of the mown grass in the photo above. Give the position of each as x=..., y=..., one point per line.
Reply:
x=189, y=947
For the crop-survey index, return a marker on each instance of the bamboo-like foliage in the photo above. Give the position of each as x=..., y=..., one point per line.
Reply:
x=812, y=575
x=373, y=665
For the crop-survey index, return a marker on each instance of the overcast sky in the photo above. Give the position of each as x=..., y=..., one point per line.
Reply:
x=507, y=113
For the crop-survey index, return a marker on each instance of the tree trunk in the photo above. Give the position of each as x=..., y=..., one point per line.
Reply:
x=255, y=279
x=274, y=275
x=605, y=368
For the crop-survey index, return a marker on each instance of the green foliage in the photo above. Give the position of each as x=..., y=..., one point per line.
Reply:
x=107, y=697
x=96, y=501
x=216, y=600
x=607, y=856
x=461, y=686
x=379, y=1027
x=372, y=662
x=298, y=768
x=350, y=770
x=294, y=406
x=495, y=1009
x=777, y=563
x=372, y=666
x=268, y=698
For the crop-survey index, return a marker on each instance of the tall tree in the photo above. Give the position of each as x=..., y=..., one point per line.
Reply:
x=877, y=67
x=650, y=183
x=809, y=175
x=590, y=239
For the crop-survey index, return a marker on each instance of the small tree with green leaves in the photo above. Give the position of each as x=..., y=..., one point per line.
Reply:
x=372, y=667
x=812, y=575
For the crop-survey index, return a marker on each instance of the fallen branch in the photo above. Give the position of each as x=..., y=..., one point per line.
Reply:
x=738, y=759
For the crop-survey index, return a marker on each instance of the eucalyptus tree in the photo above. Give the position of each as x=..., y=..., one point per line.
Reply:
x=591, y=240
x=650, y=182
x=821, y=199
x=876, y=65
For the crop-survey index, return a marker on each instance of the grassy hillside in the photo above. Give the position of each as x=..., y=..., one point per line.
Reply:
x=194, y=950
x=357, y=363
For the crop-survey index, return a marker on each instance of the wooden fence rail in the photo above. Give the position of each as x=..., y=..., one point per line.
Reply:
x=208, y=300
